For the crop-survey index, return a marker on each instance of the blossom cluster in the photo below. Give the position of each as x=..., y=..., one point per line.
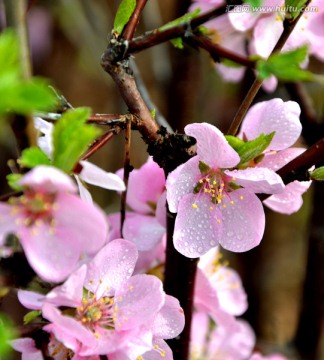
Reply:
x=261, y=30
x=102, y=301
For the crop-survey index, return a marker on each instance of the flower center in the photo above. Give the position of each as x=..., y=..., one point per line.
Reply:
x=95, y=313
x=57, y=351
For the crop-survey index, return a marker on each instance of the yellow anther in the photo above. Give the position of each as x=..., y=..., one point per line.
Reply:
x=232, y=202
x=131, y=287
x=84, y=320
x=201, y=181
x=241, y=197
x=97, y=335
x=218, y=221
x=278, y=18
x=194, y=206
x=208, y=179
x=214, y=182
x=224, y=206
x=211, y=208
x=233, y=178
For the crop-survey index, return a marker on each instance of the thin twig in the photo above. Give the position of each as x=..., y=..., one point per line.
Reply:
x=127, y=169
x=217, y=52
x=129, y=29
x=288, y=28
x=157, y=36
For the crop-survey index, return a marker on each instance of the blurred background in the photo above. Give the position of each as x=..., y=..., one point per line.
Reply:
x=284, y=276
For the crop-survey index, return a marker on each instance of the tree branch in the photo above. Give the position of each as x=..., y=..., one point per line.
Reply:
x=288, y=28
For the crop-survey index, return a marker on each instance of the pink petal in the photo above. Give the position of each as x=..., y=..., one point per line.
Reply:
x=199, y=331
x=112, y=265
x=47, y=179
x=270, y=84
x=273, y=115
x=242, y=20
x=31, y=300
x=70, y=327
x=71, y=292
x=145, y=231
x=212, y=147
x=266, y=33
x=233, y=343
x=53, y=256
x=160, y=212
x=206, y=298
x=86, y=223
x=182, y=181
x=243, y=221
x=276, y=160
x=138, y=300
x=161, y=347
x=28, y=349
x=290, y=200
x=196, y=229
x=145, y=186
x=84, y=192
x=169, y=322
x=231, y=295
x=94, y=175
x=257, y=180
x=7, y=221
x=69, y=341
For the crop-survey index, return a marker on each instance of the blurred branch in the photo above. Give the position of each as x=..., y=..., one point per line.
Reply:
x=239, y=116
x=157, y=36
x=217, y=52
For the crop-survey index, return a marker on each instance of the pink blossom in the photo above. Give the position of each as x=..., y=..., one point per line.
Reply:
x=282, y=118
x=110, y=311
x=213, y=206
x=258, y=356
x=55, y=227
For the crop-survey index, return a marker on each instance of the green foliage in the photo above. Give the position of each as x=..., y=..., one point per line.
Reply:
x=317, y=174
x=71, y=138
x=294, y=7
x=234, y=141
x=124, y=12
x=181, y=20
x=204, y=168
x=31, y=315
x=253, y=2
x=32, y=157
x=285, y=66
x=12, y=180
x=7, y=333
x=177, y=43
x=254, y=148
x=18, y=95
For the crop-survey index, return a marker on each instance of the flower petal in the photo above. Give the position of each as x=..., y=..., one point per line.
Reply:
x=28, y=349
x=30, y=299
x=196, y=229
x=53, y=256
x=139, y=299
x=182, y=181
x=111, y=267
x=243, y=221
x=290, y=200
x=276, y=160
x=258, y=180
x=169, y=322
x=212, y=147
x=85, y=222
x=145, y=186
x=273, y=115
x=94, y=175
x=145, y=231
x=7, y=221
x=161, y=351
x=47, y=179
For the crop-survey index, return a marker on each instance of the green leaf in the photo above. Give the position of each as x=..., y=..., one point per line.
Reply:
x=71, y=138
x=253, y=2
x=234, y=142
x=181, y=20
x=32, y=157
x=252, y=149
x=153, y=113
x=204, y=168
x=285, y=66
x=124, y=12
x=294, y=8
x=7, y=333
x=317, y=174
x=12, y=180
x=177, y=43
x=230, y=63
x=31, y=315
